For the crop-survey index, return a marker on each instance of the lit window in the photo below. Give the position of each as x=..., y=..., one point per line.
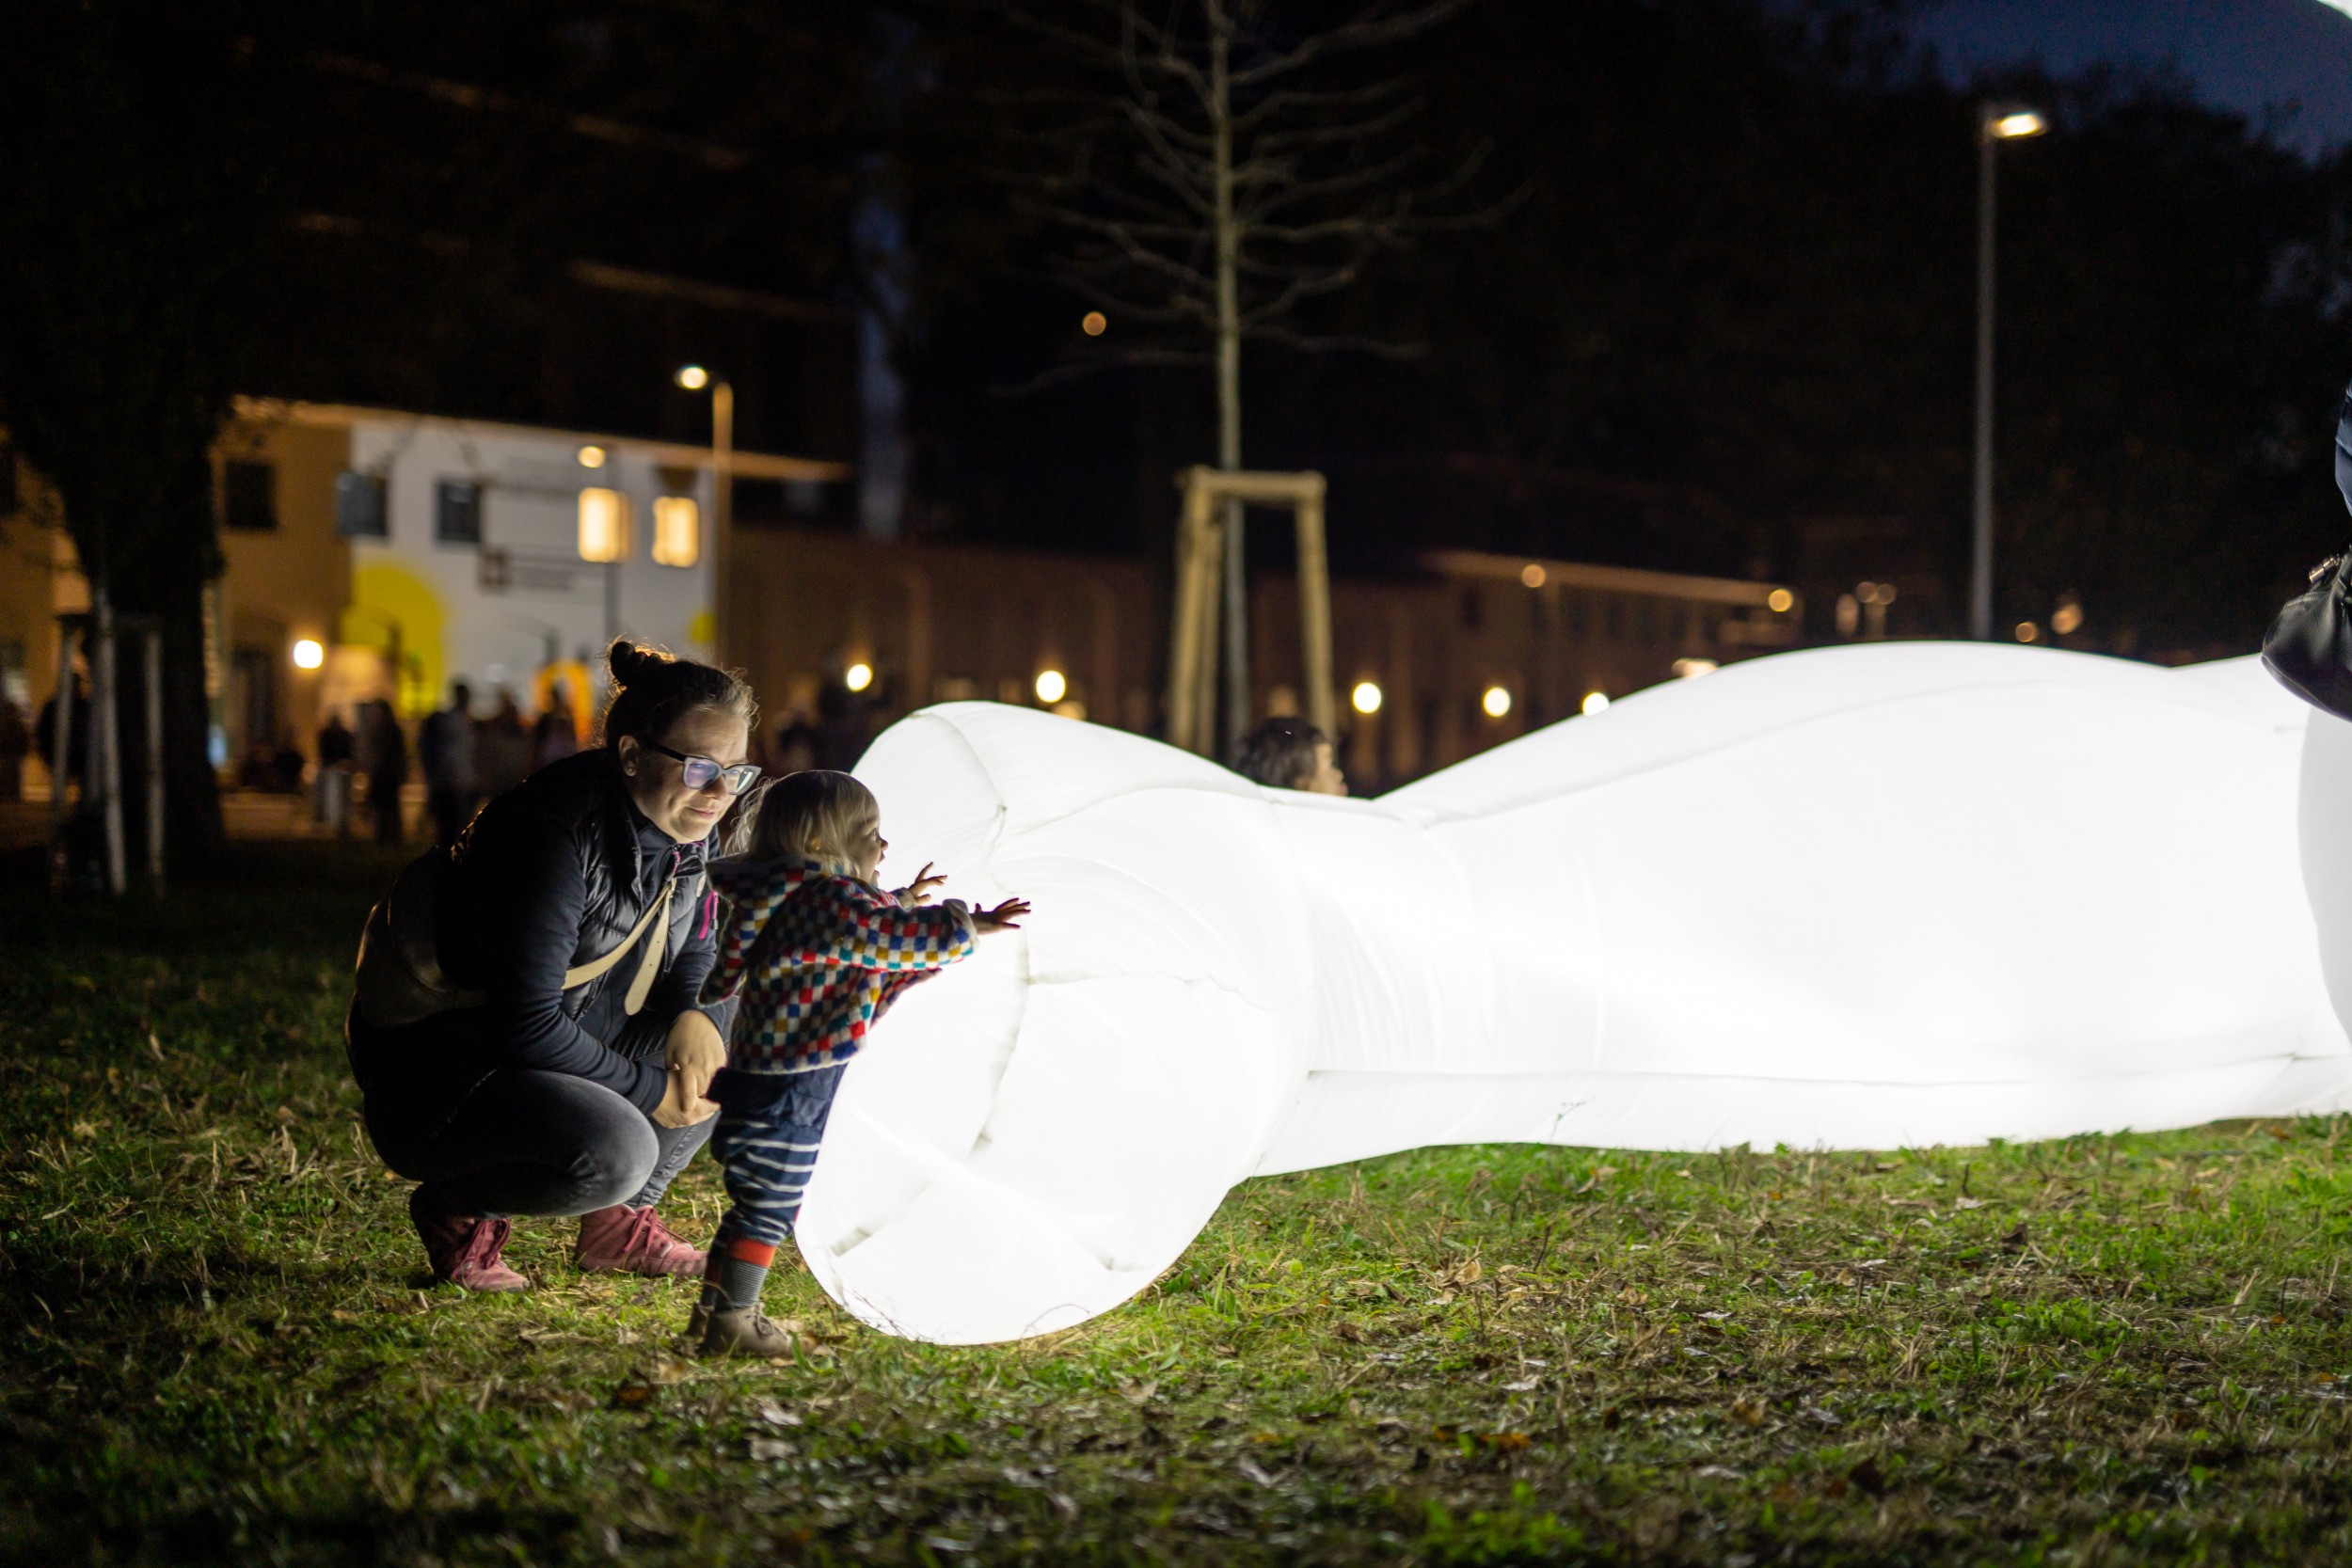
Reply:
x=678, y=535
x=1366, y=697
x=1051, y=687
x=603, y=525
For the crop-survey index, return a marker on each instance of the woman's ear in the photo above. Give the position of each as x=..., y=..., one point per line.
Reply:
x=627, y=749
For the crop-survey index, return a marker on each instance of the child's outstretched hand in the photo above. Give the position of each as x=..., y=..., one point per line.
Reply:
x=1003, y=917
x=919, y=890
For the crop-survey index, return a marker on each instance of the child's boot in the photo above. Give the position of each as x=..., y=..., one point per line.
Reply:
x=727, y=1321
x=742, y=1331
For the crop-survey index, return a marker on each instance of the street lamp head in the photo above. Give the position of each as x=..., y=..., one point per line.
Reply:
x=2008, y=122
x=693, y=377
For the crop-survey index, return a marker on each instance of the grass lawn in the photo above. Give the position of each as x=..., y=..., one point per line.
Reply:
x=2105, y=1349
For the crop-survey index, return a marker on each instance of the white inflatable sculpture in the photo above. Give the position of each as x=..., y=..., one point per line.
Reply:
x=1896, y=895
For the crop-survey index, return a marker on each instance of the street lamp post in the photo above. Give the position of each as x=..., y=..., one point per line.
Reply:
x=1995, y=125
x=694, y=378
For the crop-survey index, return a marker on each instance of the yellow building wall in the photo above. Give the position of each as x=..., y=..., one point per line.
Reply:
x=285, y=584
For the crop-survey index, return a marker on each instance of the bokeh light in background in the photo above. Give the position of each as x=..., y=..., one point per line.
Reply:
x=1051, y=687
x=858, y=677
x=1596, y=701
x=308, y=652
x=1497, y=702
x=1365, y=698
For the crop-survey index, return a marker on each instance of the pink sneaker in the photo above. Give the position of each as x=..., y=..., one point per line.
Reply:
x=622, y=1240
x=463, y=1250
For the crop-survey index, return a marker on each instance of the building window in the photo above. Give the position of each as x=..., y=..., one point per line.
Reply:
x=359, y=505
x=678, y=539
x=458, y=512
x=249, y=497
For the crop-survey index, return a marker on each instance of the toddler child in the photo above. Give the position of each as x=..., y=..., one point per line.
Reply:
x=818, y=953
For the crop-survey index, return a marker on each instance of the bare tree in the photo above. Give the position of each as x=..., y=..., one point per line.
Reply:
x=1229, y=168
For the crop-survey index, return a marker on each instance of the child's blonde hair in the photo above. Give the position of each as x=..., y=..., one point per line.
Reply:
x=814, y=815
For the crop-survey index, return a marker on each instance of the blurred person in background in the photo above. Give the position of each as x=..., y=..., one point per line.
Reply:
x=383, y=756
x=15, y=740
x=445, y=747
x=555, y=736
x=330, y=791
x=1290, y=754
x=504, y=751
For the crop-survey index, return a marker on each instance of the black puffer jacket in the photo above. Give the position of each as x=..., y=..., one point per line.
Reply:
x=551, y=876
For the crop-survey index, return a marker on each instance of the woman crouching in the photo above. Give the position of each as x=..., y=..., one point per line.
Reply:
x=526, y=1032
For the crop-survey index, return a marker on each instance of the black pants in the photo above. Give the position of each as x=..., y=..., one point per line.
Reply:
x=529, y=1142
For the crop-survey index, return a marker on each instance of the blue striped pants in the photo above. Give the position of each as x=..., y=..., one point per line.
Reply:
x=770, y=1127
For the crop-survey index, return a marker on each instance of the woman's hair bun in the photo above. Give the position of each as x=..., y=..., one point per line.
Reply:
x=631, y=662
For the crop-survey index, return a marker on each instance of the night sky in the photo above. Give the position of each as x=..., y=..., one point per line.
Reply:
x=2243, y=55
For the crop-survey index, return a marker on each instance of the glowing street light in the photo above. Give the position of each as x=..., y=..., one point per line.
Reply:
x=592, y=456
x=857, y=678
x=1497, y=702
x=1532, y=574
x=1995, y=125
x=1051, y=687
x=1094, y=323
x=1365, y=698
x=1780, y=601
x=693, y=378
x=1596, y=701
x=308, y=652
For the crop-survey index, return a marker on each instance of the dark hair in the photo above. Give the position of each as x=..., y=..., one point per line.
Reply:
x=652, y=691
x=1280, y=753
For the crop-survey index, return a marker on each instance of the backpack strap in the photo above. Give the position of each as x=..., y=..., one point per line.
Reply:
x=656, y=916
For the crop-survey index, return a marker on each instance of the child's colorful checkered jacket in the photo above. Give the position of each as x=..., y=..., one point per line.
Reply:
x=819, y=958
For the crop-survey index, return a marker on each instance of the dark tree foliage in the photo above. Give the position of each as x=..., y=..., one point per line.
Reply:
x=1740, y=300
x=134, y=228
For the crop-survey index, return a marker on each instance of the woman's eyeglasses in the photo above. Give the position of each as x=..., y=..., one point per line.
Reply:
x=702, y=773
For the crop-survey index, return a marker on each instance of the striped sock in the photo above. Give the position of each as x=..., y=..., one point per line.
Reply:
x=736, y=1273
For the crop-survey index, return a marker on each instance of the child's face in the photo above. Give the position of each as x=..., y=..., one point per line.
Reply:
x=865, y=850
x=1325, y=777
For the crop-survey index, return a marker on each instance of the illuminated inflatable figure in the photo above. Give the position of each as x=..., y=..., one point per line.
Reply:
x=1901, y=894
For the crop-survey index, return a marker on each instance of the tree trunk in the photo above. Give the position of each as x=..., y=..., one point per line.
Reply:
x=1229, y=384
x=192, y=823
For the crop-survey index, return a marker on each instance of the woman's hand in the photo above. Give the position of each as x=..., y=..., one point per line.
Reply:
x=694, y=1053
x=679, y=1108
x=919, y=890
x=1003, y=917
